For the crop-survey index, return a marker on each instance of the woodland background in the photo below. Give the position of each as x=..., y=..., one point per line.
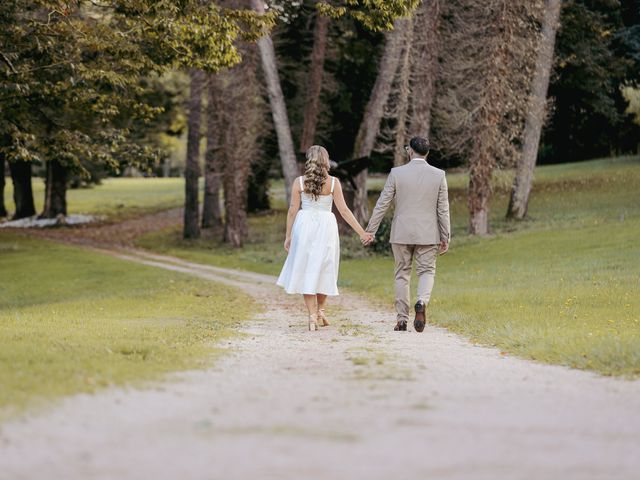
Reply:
x=90, y=89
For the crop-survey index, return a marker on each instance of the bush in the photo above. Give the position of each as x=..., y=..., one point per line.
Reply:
x=382, y=243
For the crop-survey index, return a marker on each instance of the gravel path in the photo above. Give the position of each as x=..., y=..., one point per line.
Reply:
x=352, y=401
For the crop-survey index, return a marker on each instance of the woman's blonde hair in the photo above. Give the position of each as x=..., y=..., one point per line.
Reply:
x=316, y=170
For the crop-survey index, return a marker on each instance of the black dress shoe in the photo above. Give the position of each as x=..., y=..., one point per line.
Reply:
x=421, y=319
x=400, y=327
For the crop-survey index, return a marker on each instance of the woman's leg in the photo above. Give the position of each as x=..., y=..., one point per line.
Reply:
x=312, y=305
x=321, y=299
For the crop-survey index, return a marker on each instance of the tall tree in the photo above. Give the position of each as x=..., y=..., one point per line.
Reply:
x=374, y=111
x=241, y=129
x=404, y=94
x=316, y=71
x=70, y=76
x=375, y=16
x=22, y=191
x=55, y=196
x=191, y=227
x=278, y=107
x=535, y=116
x=424, y=62
x=211, y=212
x=408, y=109
x=486, y=73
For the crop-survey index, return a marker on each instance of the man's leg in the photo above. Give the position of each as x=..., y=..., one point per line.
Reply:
x=403, y=255
x=426, y=270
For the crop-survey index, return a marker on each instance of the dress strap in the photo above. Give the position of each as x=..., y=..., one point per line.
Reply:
x=301, y=184
x=333, y=181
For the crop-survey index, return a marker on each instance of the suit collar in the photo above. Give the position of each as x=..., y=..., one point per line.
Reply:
x=421, y=160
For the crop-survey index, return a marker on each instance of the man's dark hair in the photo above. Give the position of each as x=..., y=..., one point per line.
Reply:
x=419, y=145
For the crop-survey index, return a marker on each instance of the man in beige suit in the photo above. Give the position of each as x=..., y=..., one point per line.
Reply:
x=420, y=229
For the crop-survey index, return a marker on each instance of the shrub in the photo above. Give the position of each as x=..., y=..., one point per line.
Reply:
x=382, y=243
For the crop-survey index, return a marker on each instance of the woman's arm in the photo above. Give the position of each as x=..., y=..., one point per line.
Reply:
x=294, y=206
x=341, y=205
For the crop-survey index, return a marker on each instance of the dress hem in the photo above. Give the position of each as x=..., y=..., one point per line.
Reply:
x=295, y=292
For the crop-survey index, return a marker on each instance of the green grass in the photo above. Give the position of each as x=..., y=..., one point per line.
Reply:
x=541, y=295
x=562, y=287
x=73, y=321
x=115, y=197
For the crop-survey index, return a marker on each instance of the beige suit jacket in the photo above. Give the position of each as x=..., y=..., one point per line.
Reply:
x=421, y=215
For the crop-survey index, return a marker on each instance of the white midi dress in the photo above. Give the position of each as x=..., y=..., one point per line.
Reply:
x=314, y=254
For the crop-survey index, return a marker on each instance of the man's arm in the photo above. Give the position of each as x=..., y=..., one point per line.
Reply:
x=383, y=204
x=444, y=222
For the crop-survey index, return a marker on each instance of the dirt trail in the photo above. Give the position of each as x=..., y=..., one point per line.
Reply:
x=121, y=234
x=354, y=400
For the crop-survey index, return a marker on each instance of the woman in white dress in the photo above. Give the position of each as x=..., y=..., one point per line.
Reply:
x=312, y=241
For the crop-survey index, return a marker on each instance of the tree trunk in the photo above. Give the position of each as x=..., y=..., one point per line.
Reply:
x=55, y=193
x=519, y=200
x=235, y=179
x=374, y=111
x=424, y=60
x=258, y=190
x=316, y=72
x=402, y=108
x=22, y=192
x=192, y=167
x=235, y=207
x=479, y=195
x=211, y=214
x=3, y=209
x=278, y=107
x=243, y=126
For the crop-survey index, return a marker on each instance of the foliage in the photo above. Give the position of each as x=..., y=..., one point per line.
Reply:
x=382, y=243
x=95, y=321
x=376, y=15
x=71, y=87
x=597, y=53
x=594, y=48
x=349, y=73
x=484, y=89
x=484, y=80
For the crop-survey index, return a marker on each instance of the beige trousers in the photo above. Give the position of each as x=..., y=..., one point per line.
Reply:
x=425, y=256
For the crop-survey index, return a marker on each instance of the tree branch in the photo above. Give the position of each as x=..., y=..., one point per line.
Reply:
x=6, y=60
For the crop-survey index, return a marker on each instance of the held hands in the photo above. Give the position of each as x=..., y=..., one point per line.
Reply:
x=367, y=238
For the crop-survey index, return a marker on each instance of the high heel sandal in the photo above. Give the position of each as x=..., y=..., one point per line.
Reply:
x=313, y=324
x=322, y=319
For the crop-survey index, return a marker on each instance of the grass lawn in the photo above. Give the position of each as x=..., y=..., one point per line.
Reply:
x=73, y=321
x=561, y=287
x=115, y=197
